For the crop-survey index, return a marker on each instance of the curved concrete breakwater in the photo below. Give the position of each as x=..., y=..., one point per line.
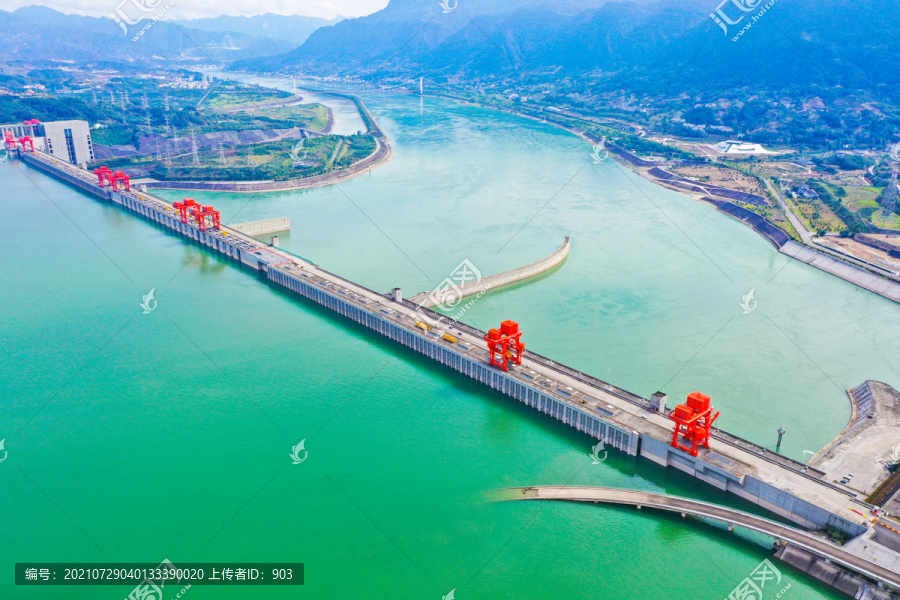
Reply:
x=803, y=540
x=478, y=285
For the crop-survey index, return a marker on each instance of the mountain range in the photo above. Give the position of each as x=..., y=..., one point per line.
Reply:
x=293, y=29
x=629, y=44
x=36, y=33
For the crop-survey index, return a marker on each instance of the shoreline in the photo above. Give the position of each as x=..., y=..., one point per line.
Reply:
x=382, y=155
x=872, y=282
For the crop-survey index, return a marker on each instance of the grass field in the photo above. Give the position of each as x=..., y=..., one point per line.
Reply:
x=816, y=216
x=222, y=100
x=307, y=116
x=288, y=159
x=858, y=198
x=890, y=222
x=115, y=135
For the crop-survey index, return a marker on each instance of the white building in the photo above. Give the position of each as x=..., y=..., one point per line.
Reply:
x=733, y=147
x=69, y=141
x=66, y=140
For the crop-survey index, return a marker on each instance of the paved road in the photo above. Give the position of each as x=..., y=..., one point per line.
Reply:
x=805, y=235
x=795, y=537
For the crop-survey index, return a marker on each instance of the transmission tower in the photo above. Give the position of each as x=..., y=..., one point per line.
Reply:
x=194, y=147
x=889, y=200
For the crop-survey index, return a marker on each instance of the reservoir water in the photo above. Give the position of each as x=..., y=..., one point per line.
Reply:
x=137, y=437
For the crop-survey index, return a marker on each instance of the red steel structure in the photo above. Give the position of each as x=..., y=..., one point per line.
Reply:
x=694, y=420
x=125, y=179
x=506, y=344
x=104, y=175
x=26, y=143
x=184, y=206
x=10, y=141
x=201, y=214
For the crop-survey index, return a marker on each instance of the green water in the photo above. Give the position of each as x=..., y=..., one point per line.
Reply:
x=134, y=438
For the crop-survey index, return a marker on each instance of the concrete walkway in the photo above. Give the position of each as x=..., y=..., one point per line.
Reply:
x=801, y=539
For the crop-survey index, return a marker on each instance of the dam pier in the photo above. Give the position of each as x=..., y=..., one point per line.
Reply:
x=630, y=423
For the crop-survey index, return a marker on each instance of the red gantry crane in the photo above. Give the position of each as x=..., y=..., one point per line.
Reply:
x=26, y=143
x=184, y=206
x=104, y=175
x=201, y=214
x=694, y=420
x=120, y=176
x=506, y=344
x=10, y=141
x=113, y=178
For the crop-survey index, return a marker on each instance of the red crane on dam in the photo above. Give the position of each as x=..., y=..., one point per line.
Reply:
x=106, y=176
x=505, y=344
x=125, y=180
x=693, y=419
x=10, y=141
x=103, y=174
x=203, y=212
x=190, y=209
x=184, y=206
x=26, y=143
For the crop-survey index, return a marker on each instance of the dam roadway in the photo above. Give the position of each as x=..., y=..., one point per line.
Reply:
x=619, y=418
x=639, y=499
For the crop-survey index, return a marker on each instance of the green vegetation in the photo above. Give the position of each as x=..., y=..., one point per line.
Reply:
x=313, y=117
x=113, y=136
x=645, y=147
x=230, y=97
x=259, y=162
x=885, y=490
x=861, y=197
x=844, y=162
x=879, y=219
x=839, y=537
x=830, y=195
x=147, y=113
x=16, y=109
x=816, y=215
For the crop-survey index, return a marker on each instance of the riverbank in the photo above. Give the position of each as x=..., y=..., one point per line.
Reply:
x=383, y=154
x=652, y=171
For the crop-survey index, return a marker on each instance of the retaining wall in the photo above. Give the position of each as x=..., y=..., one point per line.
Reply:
x=863, y=279
x=255, y=228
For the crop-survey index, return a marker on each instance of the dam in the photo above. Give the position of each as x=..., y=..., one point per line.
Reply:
x=621, y=419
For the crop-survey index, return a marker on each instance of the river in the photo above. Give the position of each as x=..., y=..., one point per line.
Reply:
x=136, y=437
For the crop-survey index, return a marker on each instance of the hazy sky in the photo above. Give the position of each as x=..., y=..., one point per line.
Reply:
x=188, y=9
